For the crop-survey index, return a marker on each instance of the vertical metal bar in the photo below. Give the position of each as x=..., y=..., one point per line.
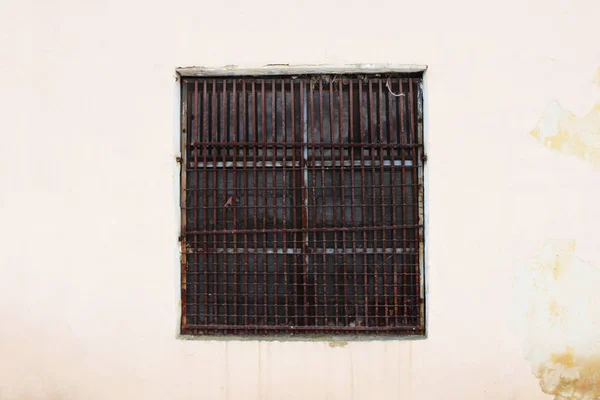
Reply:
x=415, y=182
x=421, y=202
x=214, y=272
x=373, y=120
x=215, y=128
x=274, y=176
x=255, y=200
x=343, y=184
x=334, y=208
x=224, y=134
x=392, y=142
x=233, y=198
x=364, y=201
x=382, y=183
x=304, y=161
x=196, y=200
x=351, y=134
x=208, y=134
x=264, y=197
x=323, y=201
x=294, y=243
x=314, y=191
x=284, y=190
x=204, y=141
x=183, y=200
x=403, y=141
x=245, y=190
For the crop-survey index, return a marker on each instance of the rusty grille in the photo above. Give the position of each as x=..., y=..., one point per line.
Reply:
x=302, y=205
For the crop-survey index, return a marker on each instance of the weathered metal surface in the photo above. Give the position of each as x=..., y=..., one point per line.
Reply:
x=302, y=205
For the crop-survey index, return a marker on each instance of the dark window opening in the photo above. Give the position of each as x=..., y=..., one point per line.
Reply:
x=302, y=205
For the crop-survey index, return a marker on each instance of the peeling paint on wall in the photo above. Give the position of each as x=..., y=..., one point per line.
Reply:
x=563, y=131
x=557, y=314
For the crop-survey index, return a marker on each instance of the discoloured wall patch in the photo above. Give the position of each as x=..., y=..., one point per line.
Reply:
x=563, y=131
x=341, y=344
x=571, y=377
x=557, y=313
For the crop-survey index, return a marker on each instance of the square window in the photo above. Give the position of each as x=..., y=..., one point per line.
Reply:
x=302, y=205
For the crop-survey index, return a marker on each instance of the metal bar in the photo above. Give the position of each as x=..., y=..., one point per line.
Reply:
x=304, y=124
x=215, y=129
x=292, y=164
x=340, y=297
x=255, y=199
x=208, y=136
x=372, y=130
x=288, y=230
x=316, y=144
x=363, y=199
x=284, y=190
x=205, y=202
x=191, y=207
x=401, y=328
x=323, y=203
x=421, y=200
x=225, y=133
x=343, y=184
x=334, y=208
x=274, y=176
x=264, y=196
x=293, y=250
x=415, y=178
x=404, y=215
x=351, y=135
x=195, y=197
x=421, y=215
x=246, y=186
x=381, y=184
x=391, y=138
x=294, y=170
x=183, y=200
x=314, y=197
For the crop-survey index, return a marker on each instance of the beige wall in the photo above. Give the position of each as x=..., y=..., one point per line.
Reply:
x=88, y=260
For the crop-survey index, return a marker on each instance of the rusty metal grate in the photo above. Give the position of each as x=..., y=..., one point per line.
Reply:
x=302, y=205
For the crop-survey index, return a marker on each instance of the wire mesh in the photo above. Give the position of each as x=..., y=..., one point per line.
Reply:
x=302, y=205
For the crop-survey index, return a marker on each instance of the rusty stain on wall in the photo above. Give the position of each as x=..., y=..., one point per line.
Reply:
x=557, y=310
x=563, y=131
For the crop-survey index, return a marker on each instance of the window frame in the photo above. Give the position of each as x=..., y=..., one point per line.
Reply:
x=270, y=71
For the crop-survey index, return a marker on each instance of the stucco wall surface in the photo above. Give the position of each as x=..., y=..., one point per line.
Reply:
x=88, y=221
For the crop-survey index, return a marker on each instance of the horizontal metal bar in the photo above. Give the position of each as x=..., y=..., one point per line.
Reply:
x=286, y=69
x=304, y=328
x=300, y=251
x=309, y=145
x=280, y=273
x=280, y=164
x=412, y=299
x=290, y=230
